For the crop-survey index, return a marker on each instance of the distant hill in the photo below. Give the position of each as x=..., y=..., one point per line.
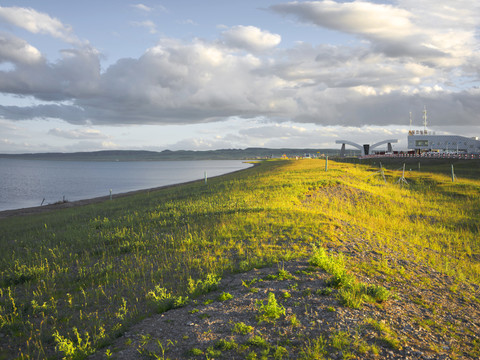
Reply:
x=141, y=155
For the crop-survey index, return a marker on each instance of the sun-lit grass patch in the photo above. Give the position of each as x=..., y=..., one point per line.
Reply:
x=103, y=267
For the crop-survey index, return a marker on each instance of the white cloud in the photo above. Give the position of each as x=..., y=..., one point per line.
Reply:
x=250, y=38
x=356, y=17
x=148, y=24
x=37, y=23
x=433, y=33
x=148, y=9
x=15, y=50
x=77, y=133
x=142, y=7
x=399, y=69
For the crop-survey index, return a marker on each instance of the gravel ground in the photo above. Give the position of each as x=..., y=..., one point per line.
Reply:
x=414, y=323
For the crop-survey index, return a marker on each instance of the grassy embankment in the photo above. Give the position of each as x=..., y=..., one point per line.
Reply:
x=73, y=280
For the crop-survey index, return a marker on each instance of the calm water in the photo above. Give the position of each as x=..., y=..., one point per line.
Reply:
x=25, y=183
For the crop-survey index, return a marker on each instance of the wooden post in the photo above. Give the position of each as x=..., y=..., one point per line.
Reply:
x=205, y=175
x=382, y=173
x=326, y=163
x=110, y=194
x=453, y=174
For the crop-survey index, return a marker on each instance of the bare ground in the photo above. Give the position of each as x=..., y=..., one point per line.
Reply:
x=440, y=320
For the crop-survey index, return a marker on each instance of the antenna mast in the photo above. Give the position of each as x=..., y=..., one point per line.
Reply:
x=410, y=120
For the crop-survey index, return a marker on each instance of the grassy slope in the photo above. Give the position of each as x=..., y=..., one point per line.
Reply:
x=91, y=268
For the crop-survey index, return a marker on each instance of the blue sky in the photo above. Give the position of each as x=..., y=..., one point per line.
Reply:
x=155, y=75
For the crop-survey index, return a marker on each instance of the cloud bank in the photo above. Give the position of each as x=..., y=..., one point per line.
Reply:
x=401, y=57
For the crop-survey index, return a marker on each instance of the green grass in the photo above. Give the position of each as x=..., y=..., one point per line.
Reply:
x=352, y=293
x=103, y=267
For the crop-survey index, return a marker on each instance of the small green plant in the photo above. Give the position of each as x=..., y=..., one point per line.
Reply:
x=248, y=284
x=258, y=341
x=74, y=350
x=200, y=287
x=242, y=328
x=224, y=296
x=280, y=352
x=212, y=353
x=270, y=311
x=307, y=292
x=180, y=301
x=294, y=322
x=282, y=274
x=352, y=293
x=314, y=349
x=378, y=293
x=225, y=345
x=352, y=296
x=356, y=293
x=325, y=291
x=340, y=340
x=195, y=352
x=386, y=334
x=161, y=298
x=286, y=295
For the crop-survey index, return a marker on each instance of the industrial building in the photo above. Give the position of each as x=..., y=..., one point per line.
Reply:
x=427, y=141
x=422, y=141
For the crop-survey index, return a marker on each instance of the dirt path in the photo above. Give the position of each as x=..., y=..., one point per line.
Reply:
x=413, y=324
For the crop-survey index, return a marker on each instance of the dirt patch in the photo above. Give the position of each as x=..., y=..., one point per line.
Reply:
x=410, y=325
x=341, y=193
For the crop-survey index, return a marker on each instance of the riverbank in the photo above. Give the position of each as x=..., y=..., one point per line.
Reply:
x=71, y=204
x=359, y=266
x=31, y=183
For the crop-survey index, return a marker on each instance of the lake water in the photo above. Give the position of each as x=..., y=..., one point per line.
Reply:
x=26, y=183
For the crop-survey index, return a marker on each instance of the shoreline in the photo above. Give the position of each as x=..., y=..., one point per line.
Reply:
x=5, y=214
x=70, y=204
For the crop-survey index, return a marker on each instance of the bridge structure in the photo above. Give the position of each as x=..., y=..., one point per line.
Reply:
x=366, y=148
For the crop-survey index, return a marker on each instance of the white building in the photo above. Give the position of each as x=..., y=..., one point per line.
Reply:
x=426, y=141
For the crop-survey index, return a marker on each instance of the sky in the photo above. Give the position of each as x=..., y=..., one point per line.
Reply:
x=216, y=74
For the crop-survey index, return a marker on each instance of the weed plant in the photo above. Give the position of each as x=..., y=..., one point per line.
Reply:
x=73, y=280
x=270, y=310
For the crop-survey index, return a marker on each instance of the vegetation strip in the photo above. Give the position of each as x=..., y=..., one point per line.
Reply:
x=74, y=280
